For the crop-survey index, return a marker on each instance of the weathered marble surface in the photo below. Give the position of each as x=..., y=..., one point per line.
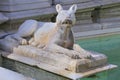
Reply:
x=60, y=61
x=41, y=68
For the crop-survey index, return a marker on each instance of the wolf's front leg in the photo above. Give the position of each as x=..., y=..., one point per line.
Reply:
x=31, y=40
x=83, y=53
x=58, y=49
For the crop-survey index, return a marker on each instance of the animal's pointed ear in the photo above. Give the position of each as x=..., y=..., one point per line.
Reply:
x=73, y=8
x=58, y=8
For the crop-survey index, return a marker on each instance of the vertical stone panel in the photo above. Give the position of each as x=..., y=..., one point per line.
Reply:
x=18, y=5
x=84, y=16
x=110, y=13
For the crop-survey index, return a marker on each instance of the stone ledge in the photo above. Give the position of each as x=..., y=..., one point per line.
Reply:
x=6, y=74
x=50, y=10
x=86, y=27
x=16, y=2
x=79, y=35
x=23, y=7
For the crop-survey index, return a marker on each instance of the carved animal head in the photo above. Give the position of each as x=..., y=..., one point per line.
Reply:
x=66, y=16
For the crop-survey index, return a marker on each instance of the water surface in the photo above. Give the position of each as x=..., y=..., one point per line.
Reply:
x=108, y=45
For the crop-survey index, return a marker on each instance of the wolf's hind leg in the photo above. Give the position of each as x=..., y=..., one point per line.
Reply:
x=20, y=39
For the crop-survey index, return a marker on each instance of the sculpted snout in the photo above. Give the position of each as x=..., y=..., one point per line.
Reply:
x=67, y=21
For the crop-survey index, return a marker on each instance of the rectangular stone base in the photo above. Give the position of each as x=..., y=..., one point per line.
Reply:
x=36, y=56
x=29, y=68
x=65, y=73
x=59, y=64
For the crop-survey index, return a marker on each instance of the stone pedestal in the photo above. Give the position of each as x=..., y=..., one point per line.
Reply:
x=60, y=61
x=51, y=62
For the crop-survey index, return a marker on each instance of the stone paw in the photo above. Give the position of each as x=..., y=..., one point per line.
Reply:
x=85, y=55
x=34, y=44
x=23, y=42
x=77, y=55
x=41, y=46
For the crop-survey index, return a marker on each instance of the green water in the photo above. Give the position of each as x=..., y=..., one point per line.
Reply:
x=108, y=45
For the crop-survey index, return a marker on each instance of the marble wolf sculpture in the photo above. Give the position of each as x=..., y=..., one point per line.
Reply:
x=54, y=37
